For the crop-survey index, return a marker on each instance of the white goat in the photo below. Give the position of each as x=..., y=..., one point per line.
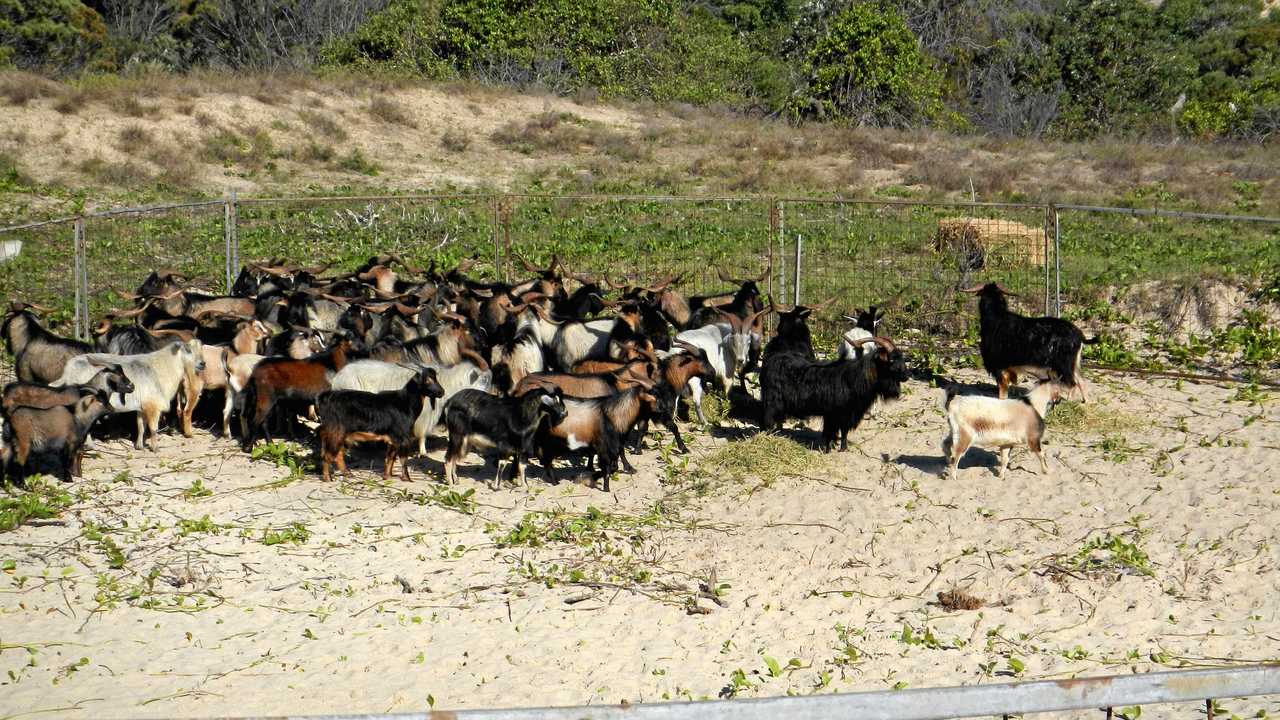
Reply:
x=156, y=377
x=378, y=376
x=992, y=422
x=726, y=350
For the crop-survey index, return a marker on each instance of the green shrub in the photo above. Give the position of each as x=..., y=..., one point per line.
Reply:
x=867, y=68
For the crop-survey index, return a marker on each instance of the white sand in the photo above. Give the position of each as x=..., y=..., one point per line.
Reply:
x=222, y=624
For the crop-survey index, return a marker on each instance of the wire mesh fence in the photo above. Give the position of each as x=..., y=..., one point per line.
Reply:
x=38, y=265
x=122, y=249
x=1179, y=291
x=911, y=259
x=908, y=257
x=642, y=240
x=342, y=233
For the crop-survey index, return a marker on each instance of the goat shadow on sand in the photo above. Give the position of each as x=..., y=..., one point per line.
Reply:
x=936, y=464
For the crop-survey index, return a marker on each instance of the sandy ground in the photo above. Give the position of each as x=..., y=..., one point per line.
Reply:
x=385, y=598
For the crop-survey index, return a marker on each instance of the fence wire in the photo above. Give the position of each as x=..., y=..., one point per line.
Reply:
x=122, y=249
x=343, y=233
x=911, y=259
x=1174, y=291
x=38, y=265
x=642, y=240
x=908, y=257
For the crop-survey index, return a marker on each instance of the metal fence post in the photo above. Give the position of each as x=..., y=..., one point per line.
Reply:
x=1045, y=255
x=80, y=304
x=230, y=237
x=782, y=249
x=1057, y=264
x=775, y=229
x=796, y=281
x=495, y=204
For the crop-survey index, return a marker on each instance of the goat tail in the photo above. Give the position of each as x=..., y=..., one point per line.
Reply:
x=951, y=390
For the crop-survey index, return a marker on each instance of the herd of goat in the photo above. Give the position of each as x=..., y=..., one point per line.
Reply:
x=526, y=370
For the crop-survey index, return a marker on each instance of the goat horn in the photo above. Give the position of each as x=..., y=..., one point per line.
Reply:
x=752, y=317
x=1006, y=292
x=973, y=290
x=764, y=275
x=724, y=276
x=671, y=280
x=19, y=306
x=126, y=313
x=687, y=346
x=884, y=342
x=528, y=266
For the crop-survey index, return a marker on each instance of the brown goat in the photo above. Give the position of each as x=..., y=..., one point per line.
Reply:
x=276, y=379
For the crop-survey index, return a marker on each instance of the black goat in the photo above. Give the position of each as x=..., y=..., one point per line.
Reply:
x=508, y=425
x=793, y=334
x=348, y=416
x=38, y=355
x=841, y=391
x=1011, y=343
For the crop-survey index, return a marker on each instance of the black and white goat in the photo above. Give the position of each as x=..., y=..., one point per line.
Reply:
x=1010, y=343
x=858, y=340
x=840, y=391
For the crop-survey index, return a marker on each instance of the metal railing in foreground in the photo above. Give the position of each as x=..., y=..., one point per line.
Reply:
x=1094, y=693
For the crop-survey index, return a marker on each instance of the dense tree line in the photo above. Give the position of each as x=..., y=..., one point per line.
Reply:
x=1070, y=68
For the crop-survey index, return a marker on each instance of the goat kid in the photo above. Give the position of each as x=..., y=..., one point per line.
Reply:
x=997, y=422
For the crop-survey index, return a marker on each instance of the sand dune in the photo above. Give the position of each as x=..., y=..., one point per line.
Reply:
x=1149, y=546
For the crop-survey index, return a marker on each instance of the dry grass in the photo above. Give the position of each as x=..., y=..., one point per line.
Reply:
x=131, y=106
x=323, y=123
x=391, y=112
x=548, y=131
x=455, y=141
x=764, y=456
x=133, y=138
x=121, y=174
x=944, y=172
x=673, y=148
x=316, y=153
x=19, y=88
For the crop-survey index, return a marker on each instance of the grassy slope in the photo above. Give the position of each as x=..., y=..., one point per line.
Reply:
x=203, y=134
